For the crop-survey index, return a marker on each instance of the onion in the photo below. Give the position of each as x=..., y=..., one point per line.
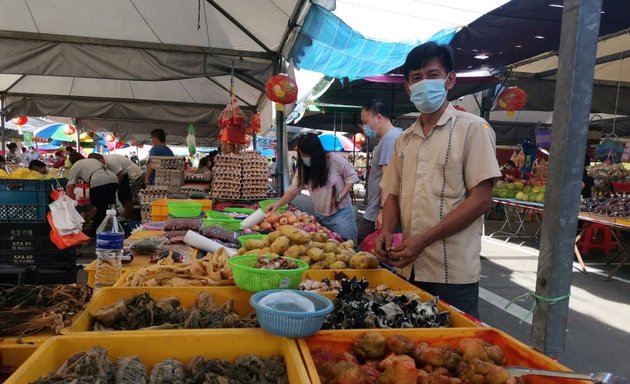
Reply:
x=291, y=219
x=283, y=221
x=265, y=226
x=255, y=228
x=272, y=218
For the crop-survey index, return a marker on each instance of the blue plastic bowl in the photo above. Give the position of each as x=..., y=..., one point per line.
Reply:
x=292, y=324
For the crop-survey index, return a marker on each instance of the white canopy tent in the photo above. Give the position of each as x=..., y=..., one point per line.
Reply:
x=129, y=66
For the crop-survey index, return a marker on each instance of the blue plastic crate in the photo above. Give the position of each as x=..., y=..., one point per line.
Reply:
x=25, y=201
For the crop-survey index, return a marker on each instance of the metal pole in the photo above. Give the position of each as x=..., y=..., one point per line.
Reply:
x=2, y=124
x=487, y=97
x=281, y=139
x=572, y=104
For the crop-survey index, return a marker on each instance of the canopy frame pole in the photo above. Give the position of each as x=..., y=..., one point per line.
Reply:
x=239, y=25
x=572, y=105
x=2, y=128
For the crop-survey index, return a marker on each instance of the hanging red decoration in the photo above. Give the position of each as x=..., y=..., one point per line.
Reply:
x=110, y=138
x=69, y=129
x=134, y=143
x=119, y=145
x=281, y=89
x=359, y=138
x=232, y=123
x=512, y=99
x=20, y=120
x=255, y=122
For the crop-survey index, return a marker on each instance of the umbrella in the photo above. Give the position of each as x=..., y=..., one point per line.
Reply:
x=49, y=147
x=48, y=131
x=332, y=143
x=268, y=152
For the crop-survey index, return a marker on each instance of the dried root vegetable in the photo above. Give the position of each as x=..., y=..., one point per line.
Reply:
x=28, y=309
x=212, y=270
x=143, y=312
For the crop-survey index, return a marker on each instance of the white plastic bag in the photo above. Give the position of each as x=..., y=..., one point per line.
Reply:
x=65, y=216
x=287, y=301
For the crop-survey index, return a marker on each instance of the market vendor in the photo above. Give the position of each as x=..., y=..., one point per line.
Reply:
x=60, y=160
x=12, y=156
x=158, y=140
x=376, y=118
x=130, y=179
x=103, y=183
x=329, y=178
x=439, y=182
x=38, y=166
x=510, y=171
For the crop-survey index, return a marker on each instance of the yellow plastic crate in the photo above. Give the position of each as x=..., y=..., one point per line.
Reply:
x=152, y=348
x=186, y=295
x=159, y=208
x=375, y=277
x=516, y=353
x=14, y=355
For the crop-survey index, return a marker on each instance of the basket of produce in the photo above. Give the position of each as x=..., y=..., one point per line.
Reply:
x=228, y=223
x=291, y=313
x=243, y=239
x=182, y=356
x=266, y=203
x=218, y=215
x=184, y=208
x=246, y=211
x=261, y=273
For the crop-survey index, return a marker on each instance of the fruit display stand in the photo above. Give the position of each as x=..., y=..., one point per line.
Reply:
x=152, y=348
x=137, y=262
x=516, y=353
x=187, y=296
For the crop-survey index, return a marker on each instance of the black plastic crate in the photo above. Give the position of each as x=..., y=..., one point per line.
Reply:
x=39, y=257
x=24, y=229
x=26, y=243
x=34, y=275
x=26, y=200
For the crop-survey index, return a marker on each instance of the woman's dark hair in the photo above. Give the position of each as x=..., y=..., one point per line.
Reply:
x=204, y=162
x=75, y=156
x=420, y=55
x=317, y=174
x=510, y=162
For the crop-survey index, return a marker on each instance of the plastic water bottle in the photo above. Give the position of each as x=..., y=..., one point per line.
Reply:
x=109, y=250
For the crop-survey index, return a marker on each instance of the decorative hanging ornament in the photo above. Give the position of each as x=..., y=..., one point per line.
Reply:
x=255, y=122
x=69, y=129
x=20, y=120
x=281, y=89
x=512, y=99
x=232, y=123
x=110, y=138
x=359, y=138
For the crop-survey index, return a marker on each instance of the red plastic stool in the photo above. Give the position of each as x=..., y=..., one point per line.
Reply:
x=603, y=239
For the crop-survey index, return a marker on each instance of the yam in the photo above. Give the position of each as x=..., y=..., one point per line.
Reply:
x=280, y=245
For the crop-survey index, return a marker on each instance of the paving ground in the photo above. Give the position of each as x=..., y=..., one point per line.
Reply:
x=598, y=329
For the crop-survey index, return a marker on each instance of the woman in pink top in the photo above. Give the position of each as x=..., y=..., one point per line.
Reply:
x=329, y=178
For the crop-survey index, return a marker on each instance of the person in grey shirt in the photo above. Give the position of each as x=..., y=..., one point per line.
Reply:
x=376, y=117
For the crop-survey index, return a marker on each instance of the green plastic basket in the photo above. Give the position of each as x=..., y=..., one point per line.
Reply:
x=246, y=211
x=184, y=208
x=231, y=224
x=244, y=238
x=265, y=203
x=255, y=280
x=218, y=215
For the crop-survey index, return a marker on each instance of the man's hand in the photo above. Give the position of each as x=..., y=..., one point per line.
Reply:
x=378, y=224
x=382, y=245
x=408, y=251
x=272, y=208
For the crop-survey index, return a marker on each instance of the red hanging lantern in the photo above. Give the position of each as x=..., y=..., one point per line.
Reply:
x=281, y=89
x=69, y=129
x=110, y=138
x=20, y=120
x=119, y=145
x=359, y=138
x=255, y=122
x=512, y=99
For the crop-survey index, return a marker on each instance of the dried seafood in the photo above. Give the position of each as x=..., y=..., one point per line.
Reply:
x=358, y=307
x=94, y=366
x=275, y=263
x=28, y=309
x=212, y=270
x=334, y=285
x=143, y=312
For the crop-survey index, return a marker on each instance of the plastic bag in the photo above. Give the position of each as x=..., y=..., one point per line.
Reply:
x=147, y=246
x=367, y=245
x=68, y=241
x=182, y=225
x=287, y=301
x=190, y=140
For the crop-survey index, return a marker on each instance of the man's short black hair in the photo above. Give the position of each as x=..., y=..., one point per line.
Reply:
x=378, y=106
x=159, y=134
x=12, y=146
x=36, y=164
x=420, y=55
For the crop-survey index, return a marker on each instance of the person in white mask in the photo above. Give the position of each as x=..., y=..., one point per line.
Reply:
x=439, y=182
x=376, y=117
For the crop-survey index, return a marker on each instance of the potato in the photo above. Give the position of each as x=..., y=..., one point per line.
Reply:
x=294, y=234
x=255, y=244
x=241, y=251
x=349, y=244
x=280, y=245
x=295, y=251
x=306, y=259
x=344, y=256
x=338, y=265
x=330, y=247
x=320, y=237
x=315, y=254
x=329, y=257
x=273, y=236
x=267, y=241
x=364, y=260
x=316, y=244
x=319, y=265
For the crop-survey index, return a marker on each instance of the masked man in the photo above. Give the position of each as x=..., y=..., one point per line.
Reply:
x=439, y=182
